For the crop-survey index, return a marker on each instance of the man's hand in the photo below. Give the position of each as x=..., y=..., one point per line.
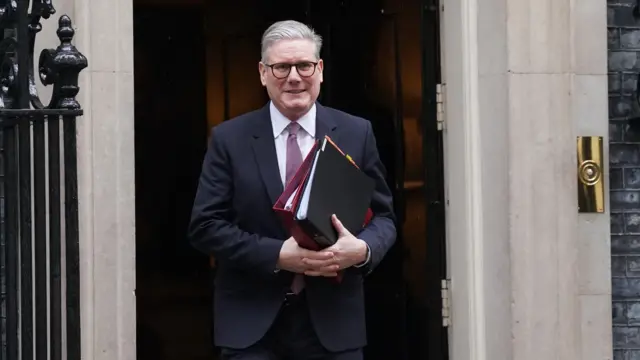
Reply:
x=294, y=258
x=346, y=252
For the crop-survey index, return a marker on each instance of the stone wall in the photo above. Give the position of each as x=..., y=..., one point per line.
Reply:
x=624, y=65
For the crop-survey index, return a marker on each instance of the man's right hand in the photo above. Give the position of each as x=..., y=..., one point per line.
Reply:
x=292, y=258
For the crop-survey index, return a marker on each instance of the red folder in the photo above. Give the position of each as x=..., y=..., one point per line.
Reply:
x=286, y=214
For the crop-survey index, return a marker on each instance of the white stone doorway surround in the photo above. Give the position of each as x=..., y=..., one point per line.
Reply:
x=530, y=277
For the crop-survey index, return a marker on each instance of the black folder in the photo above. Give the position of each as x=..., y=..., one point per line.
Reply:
x=334, y=186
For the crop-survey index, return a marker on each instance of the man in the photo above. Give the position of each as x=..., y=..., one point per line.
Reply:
x=273, y=299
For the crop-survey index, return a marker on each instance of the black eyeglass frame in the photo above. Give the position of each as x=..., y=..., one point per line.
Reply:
x=314, y=63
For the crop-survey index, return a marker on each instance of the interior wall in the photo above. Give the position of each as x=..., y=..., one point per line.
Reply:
x=224, y=30
x=409, y=43
x=410, y=46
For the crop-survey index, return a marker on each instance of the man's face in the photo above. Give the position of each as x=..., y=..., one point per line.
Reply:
x=293, y=93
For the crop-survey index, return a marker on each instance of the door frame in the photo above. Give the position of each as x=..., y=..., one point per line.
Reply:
x=476, y=181
x=463, y=197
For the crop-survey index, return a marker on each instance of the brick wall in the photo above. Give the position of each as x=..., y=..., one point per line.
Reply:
x=624, y=65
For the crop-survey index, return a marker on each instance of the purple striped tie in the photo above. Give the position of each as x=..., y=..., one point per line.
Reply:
x=294, y=160
x=294, y=155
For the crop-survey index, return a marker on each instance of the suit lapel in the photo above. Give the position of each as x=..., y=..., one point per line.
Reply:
x=264, y=150
x=325, y=124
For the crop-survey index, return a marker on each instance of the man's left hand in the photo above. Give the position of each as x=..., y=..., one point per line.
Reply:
x=348, y=251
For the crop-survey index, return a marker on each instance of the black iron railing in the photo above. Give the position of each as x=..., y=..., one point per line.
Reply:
x=38, y=188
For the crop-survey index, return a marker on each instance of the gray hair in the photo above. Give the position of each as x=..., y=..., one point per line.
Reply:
x=289, y=30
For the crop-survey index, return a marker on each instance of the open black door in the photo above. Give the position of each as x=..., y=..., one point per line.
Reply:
x=433, y=155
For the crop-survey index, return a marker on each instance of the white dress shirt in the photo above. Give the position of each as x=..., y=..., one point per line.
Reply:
x=306, y=135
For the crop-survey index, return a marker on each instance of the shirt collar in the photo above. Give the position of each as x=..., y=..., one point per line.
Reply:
x=279, y=122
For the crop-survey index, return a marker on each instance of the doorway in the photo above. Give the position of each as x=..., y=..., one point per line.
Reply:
x=196, y=66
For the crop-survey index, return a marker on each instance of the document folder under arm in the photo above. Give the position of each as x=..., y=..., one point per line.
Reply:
x=334, y=186
x=304, y=230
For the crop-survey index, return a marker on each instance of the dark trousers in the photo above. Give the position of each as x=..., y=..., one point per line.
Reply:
x=291, y=337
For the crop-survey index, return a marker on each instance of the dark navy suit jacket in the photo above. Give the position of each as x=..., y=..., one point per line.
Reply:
x=233, y=220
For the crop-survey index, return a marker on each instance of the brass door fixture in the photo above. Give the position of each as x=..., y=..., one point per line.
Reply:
x=590, y=174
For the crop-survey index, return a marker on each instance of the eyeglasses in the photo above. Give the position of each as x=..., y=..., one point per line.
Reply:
x=282, y=70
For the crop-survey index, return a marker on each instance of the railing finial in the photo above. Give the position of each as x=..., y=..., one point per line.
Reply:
x=61, y=67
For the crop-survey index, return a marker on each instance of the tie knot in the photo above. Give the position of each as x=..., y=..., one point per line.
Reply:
x=294, y=127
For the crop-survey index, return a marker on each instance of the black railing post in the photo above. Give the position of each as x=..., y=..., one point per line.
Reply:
x=72, y=239
x=24, y=159
x=10, y=239
x=55, y=236
x=40, y=244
